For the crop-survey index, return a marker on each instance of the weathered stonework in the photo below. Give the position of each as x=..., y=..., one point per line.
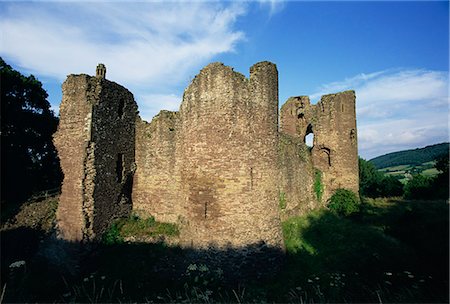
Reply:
x=96, y=145
x=220, y=167
x=333, y=122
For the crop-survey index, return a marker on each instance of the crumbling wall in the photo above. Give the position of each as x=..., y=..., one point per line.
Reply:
x=227, y=157
x=219, y=167
x=72, y=140
x=296, y=186
x=95, y=143
x=113, y=133
x=156, y=188
x=334, y=152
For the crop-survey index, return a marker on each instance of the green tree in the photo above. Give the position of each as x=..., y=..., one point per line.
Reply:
x=441, y=181
x=419, y=187
x=373, y=183
x=28, y=158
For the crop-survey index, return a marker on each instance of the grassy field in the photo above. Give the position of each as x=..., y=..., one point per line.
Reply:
x=404, y=172
x=391, y=251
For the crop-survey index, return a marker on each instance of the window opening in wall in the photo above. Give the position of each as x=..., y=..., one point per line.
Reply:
x=342, y=107
x=121, y=107
x=325, y=154
x=309, y=136
x=120, y=168
x=300, y=115
x=206, y=209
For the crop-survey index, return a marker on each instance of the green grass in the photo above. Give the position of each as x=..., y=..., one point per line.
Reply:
x=396, y=168
x=391, y=251
x=430, y=172
x=137, y=227
x=403, y=172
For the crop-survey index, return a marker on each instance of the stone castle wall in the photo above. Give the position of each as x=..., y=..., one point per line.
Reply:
x=156, y=187
x=95, y=142
x=333, y=122
x=220, y=167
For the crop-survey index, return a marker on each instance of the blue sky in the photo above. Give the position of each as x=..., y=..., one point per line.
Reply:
x=394, y=54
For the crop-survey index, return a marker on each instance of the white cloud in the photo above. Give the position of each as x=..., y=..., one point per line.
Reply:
x=397, y=109
x=149, y=47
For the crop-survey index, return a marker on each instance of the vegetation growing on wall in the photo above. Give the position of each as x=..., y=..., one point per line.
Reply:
x=318, y=186
x=282, y=204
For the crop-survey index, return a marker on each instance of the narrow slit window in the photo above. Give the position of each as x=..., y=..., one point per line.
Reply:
x=120, y=168
x=120, y=111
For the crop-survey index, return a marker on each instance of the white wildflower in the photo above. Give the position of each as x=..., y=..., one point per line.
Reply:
x=17, y=264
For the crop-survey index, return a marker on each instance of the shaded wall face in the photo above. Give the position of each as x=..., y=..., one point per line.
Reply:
x=227, y=158
x=95, y=142
x=113, y=136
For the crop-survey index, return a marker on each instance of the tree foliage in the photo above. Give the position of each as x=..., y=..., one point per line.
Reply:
x=373, y=183
x=29, y=161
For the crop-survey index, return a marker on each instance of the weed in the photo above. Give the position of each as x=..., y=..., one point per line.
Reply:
x=282, y=203
x=318, y=186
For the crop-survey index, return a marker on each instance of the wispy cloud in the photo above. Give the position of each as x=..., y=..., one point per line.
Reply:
x=149, y=47
x=275, y=6
x=397, y=109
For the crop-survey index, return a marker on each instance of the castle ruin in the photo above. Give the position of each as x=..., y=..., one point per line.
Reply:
x=227, y=167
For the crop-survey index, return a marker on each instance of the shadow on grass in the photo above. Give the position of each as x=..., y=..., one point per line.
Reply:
x=73, y=272
x=397, y=252
x=393, y=252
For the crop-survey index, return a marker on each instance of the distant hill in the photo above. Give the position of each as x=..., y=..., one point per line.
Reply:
x=411, y=157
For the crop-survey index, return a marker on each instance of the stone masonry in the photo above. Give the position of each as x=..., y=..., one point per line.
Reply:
x=225, y=167
x=96, y=146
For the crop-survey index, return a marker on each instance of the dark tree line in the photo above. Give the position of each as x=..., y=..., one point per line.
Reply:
x=29, y=161
x=412, y=157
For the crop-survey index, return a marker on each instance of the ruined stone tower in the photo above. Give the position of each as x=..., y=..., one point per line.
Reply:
x=333, y=122
x=95, y=142
x=216, y=158
x=225, y=167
